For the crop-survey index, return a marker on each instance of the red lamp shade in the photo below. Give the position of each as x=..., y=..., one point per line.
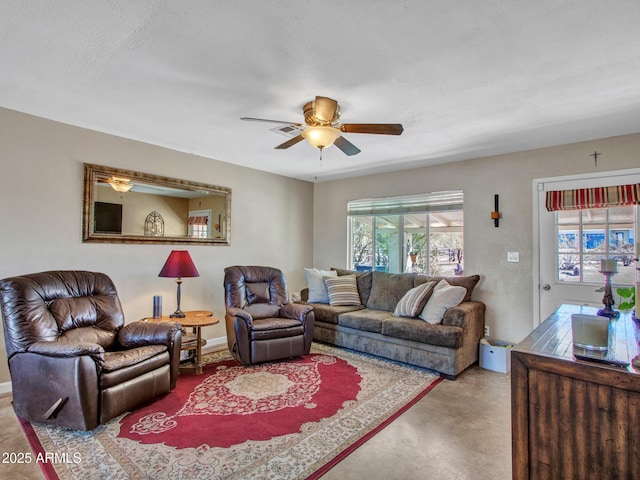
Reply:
x=179, y=264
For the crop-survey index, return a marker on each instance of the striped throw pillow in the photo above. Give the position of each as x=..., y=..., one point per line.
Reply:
x=414, y=300
x=343, y=290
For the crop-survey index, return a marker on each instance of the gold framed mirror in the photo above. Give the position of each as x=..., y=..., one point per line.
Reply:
x=122, y=206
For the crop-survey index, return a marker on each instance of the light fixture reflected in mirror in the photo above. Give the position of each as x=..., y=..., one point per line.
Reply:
x=121, y=185
x=321, y=137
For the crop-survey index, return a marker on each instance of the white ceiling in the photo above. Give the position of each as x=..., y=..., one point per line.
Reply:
x=466, y=78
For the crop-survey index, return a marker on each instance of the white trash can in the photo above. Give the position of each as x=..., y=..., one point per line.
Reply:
x=495, y=355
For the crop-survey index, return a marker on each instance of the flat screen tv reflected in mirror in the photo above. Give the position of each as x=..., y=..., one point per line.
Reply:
x=108, y=217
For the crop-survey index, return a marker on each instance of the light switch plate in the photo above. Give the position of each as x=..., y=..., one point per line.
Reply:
x=513, y=256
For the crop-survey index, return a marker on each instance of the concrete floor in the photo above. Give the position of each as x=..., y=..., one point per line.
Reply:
x=460, y=430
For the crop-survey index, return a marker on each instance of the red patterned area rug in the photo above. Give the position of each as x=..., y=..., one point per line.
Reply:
x=282, y=420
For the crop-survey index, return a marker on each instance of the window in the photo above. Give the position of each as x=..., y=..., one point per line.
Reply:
x=584, y=237
x=199, y=223
x=414, y=233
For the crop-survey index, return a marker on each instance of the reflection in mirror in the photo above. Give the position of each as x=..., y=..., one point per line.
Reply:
x=122, y=206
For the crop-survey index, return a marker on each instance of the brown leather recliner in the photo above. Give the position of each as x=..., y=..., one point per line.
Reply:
x=261, y=325
x=72, y=359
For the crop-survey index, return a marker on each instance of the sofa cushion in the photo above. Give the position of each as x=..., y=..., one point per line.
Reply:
x=419, y=331
x=412, y=303
x=317, y=288
x=468, y=282
x=367, y=320
x=388, y=288
x=364, y=282
x=342, y=290
x=443, y=298
x=328, y=314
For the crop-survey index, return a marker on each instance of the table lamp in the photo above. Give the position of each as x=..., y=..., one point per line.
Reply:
x=178, y=265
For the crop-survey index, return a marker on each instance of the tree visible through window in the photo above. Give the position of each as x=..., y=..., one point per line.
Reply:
x=422, y=233
x=584, y=237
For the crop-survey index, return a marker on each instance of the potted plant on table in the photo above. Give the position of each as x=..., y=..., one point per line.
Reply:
x=627, y=299
x=628, y=294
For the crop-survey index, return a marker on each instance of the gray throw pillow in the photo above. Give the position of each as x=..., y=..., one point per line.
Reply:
x=388, y=288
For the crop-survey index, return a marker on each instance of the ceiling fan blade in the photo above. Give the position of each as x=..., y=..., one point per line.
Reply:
x=376, y=128
x=346, y=146
x=326, y=109
x=289, y=143
x=251, y=119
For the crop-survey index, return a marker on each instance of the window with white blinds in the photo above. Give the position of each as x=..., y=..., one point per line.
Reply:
x=410, y=233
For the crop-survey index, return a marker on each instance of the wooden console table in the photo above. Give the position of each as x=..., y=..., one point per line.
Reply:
x=574, y=419
x=195, y=319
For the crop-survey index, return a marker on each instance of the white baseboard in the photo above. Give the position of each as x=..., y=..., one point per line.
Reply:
x=213, y=345
x=5, y=387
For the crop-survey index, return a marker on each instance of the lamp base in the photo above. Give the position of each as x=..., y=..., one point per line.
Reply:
x=178, y=313
x=608, y=312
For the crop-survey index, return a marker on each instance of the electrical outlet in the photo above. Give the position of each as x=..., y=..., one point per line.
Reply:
x=486, y=330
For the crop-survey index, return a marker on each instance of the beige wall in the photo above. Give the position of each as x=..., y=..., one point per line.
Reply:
x=136, y=207
x=275, y=220
x=506, y=288
x=41, y=188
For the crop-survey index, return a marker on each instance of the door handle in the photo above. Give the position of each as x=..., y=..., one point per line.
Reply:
x=546, y=287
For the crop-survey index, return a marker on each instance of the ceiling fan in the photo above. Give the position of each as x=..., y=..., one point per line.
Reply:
x=322, y=129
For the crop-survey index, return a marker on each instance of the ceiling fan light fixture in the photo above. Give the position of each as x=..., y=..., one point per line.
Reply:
x=323, y=130
x=121, y=185
x=321, y=137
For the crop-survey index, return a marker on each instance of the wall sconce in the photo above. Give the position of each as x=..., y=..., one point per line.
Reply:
x=495, y=215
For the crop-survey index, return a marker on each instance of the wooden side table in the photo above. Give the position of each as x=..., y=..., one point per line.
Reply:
x=572, y=418
x=195, y=319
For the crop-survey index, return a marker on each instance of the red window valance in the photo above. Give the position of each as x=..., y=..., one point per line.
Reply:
x=601, y=197
x=198, y=220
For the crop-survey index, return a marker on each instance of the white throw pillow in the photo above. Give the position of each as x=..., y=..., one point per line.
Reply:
x=317, y=288
x=443, y=298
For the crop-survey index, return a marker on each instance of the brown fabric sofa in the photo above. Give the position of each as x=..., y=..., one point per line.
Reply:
x=448, y=348
x=261, y=325
x=73, y=361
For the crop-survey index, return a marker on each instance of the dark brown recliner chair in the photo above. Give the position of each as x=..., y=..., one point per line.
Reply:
x=261, y=325
x=73, y=361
